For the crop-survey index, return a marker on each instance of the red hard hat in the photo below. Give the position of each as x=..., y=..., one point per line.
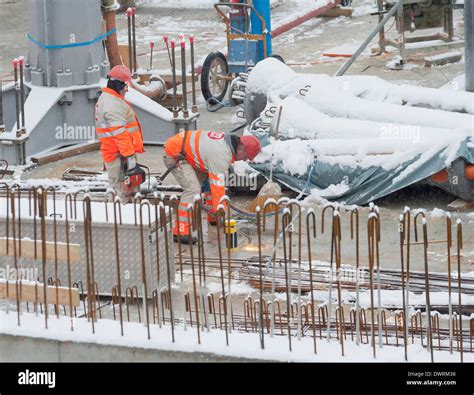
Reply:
x=120, y=73
x=252, y=146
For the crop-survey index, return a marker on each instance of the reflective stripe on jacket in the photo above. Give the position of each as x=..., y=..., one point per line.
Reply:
x=117, y=127
x=208, y=152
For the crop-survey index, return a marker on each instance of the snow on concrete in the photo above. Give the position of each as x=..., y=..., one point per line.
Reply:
x=243, y=345
x=359, y=121
x=101, y=212
x=391, y=298
x=139, y=100
x=304, y=8
x=37, y=105
x=457, y=84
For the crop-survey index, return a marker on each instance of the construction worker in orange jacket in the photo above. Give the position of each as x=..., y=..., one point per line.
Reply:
x=194, y=157
x=119, y=132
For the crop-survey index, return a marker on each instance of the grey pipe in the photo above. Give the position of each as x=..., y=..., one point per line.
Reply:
x=22, y=96
x=469, y=39
x=17, y=96
x=342, y=70
x=183, y=82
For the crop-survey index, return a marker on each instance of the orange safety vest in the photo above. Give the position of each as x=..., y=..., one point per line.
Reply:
x=117, y=127
x=206, y=152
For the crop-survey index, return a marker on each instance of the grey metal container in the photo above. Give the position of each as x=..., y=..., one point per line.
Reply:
x=103, y=252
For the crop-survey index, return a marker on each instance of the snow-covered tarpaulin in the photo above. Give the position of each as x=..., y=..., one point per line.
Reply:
x=357, y=138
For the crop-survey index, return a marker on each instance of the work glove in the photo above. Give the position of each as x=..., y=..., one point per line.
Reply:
x=131, y=162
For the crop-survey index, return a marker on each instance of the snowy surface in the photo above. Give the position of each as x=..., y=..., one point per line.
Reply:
x=244, y=345
x=359, y=121
x=146, y=104
x=37, y=105
x=99, y=210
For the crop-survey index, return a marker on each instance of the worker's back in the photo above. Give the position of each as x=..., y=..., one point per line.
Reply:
x=206, y=151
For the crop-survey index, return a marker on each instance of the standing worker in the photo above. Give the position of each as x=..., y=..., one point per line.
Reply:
x=120, y=135
x=193, y=157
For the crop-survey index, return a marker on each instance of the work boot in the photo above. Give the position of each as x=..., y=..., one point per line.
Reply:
x=212, y=219
x=185, y=239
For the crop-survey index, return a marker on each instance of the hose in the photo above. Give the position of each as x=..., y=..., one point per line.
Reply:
x=216, y=105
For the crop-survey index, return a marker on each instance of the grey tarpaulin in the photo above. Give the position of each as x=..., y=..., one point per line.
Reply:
x=368, y=184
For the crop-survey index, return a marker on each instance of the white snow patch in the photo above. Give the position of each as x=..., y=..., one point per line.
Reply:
x=243, y=345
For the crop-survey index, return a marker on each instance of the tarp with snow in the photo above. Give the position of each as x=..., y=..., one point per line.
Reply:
x=361, y=185
x=357, y=138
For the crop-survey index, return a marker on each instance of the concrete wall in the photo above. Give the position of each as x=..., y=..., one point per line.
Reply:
x=25, y=349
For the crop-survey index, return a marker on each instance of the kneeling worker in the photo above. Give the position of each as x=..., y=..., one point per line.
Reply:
x=119, y=133
x=195, y=156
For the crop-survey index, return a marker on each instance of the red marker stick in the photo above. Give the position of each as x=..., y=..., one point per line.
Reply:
x=165, y=39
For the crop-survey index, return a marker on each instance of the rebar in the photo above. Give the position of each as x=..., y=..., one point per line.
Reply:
x=173, y=71
x=311, y=215
x=459, y=246
x=193, y=73
x=183, y=81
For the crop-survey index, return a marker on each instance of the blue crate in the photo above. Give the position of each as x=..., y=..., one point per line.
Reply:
x=242, y=54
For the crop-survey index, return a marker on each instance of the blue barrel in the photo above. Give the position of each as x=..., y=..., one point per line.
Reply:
x=263, y=8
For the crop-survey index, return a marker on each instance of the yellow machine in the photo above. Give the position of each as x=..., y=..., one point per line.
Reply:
x=230, y=230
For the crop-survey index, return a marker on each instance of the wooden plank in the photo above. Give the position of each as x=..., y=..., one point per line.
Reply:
x=168, y=78
x=65, y=153
x=337, y=12
x=28, y=250
x=442, y=59
x=35, y=293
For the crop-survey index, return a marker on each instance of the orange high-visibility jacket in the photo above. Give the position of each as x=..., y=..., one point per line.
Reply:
x=117, y=127
x=209, y=152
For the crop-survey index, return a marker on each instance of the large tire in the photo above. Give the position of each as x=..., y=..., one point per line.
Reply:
x=213, y=86
x=278, y=57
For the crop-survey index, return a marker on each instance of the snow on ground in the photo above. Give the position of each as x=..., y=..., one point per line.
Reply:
x=365, y=7
x=457, y=84
x=101, y=212
x=243, y=345
x=392, y=299
x=359, y=121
